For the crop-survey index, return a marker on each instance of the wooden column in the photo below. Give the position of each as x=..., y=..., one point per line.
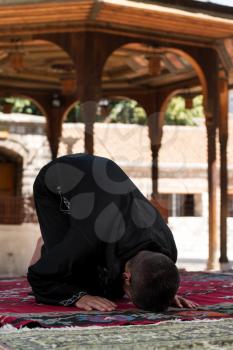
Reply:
x=54, y=129
x=89, y=52
x=206, y=63
x=152, y=103
x=223, y=137
x=212, y=185
x=155, y=168
x=155, y=129
x=54, y=107
x=209, y=62
x=89, y=67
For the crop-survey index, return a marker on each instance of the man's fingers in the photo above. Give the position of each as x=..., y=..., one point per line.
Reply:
x=187, y=303
x=110, y=302
x=101, y=303
x=90, y=306
x=90, y=302
x=86, y=307
x=177, y=302
x=107, y=302
x=192, y=305
x=100, y=306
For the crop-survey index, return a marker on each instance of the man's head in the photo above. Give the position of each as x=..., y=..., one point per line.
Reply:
x=151, y=280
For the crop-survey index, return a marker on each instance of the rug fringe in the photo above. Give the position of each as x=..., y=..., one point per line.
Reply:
x=8, y=328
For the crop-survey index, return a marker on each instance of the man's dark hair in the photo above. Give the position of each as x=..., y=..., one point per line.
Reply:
x=154, y=280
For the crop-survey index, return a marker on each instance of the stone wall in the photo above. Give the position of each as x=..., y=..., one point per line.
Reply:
x=17, y=243
x=27, y=138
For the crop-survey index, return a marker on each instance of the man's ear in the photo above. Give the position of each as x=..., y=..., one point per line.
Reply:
x=127, y=277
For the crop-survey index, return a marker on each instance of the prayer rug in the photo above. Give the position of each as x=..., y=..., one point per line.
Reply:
x=212, y=291
x=195, y=335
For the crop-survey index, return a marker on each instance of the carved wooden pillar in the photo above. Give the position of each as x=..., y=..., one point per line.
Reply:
x=89, y=52
x=223, y=137
x=209, y=63
x=54, y=107
x=54, y=129
x=206, y=65
x=152, y=103
x=155, y=168
x=155, y=129
x=89, y=65
x=212, y=185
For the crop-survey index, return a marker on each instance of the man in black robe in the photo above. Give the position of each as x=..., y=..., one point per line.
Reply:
x=101, y=239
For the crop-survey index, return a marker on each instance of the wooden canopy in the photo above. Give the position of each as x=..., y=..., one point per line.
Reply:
x=26, y=62
x=57, y=52
x=42, y=66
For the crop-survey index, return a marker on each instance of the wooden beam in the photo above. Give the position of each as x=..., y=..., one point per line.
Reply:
x=167, y=20
x=39, y=76
x=144, y=36
x=22, y=84
x=151, y=36
x=149, y=82
x=164, y=79
x=224, y=56
x=118, y=72
x=194, y=82
x=38, y=18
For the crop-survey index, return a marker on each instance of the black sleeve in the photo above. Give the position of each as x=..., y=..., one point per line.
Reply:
x=50, y=278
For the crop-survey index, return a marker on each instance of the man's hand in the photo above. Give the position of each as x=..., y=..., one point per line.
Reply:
x=182, y=302
x=91, y=302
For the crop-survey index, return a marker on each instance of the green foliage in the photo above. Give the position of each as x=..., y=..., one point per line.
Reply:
x=129, y=112
x=177, y=114
x=118, y=111
x=75, y=115
x=20, y=105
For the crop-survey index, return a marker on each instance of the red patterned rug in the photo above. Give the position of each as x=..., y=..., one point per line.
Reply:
x=212, y=291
